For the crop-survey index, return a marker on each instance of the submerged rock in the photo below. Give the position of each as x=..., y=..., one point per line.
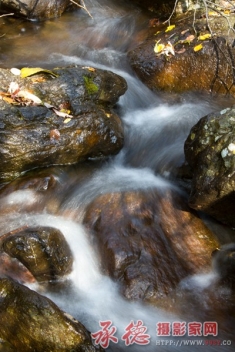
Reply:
x=31, y=322
x=33, y=135
x=42, y=250
x=148, y=241
x=210, y=151
x=39, y=10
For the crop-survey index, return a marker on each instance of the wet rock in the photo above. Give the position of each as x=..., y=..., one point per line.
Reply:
x=42, y=250
x=35, y=136
x=224, y=264
x=40, y=183
x=41, y=325
x=148, y=241
x=208, y=297
x=39, y=10
x=209, y=69
x=159, y=9
x=33, y=192
x=13, y=268
x=209, y=150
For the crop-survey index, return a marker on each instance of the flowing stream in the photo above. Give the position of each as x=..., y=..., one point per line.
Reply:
x=155, y=132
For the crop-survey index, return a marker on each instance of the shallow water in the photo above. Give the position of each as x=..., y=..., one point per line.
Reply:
x=155, y=132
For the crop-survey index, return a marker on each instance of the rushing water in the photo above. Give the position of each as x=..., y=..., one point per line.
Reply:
x=154, y=137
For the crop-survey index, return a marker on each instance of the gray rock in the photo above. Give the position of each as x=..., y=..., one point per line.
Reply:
x=210, y=151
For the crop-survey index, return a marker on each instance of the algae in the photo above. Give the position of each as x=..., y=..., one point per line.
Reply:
x=91, y=87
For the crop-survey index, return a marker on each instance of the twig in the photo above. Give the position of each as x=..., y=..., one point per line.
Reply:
x=227, y=19
x=172, y=13
x=7, y=14
x=194, y=17
x=215, y=5
x=83, y=6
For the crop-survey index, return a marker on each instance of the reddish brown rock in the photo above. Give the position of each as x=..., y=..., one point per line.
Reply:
x=149, y=241
x=13, y=268
x=207, y=69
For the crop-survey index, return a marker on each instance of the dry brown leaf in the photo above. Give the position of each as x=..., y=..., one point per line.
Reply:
x=181, y=51
x=54, y=134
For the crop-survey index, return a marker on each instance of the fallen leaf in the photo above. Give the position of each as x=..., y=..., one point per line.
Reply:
x=169, y=49
x=187, y=40
x=15, y=71
x=61, y=113
x=213, y=14
x=38, y=79
x=190, y=38
x=29, y=96
x=204, y=36
x=9, y=100
x=54, y=134
x=183, y=32
x=65, y=111
x=67, y=120
x=92, y=69
x=13, y=88
x=48, y=106
x=227, y=12
x=65, y=106
x=169, y=28
x=29, y=71
x=157, y=32
x=158, y=48
x=181, y=51
x=198, y=47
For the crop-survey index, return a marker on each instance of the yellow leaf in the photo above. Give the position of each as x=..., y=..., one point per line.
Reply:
x=92, y=69
x=198, y=47
x=67, y=120
x=9, y=100
x=169, y=28
x=213, y=13
x=204, y=36
x=157, y=32
x=227, y=12
x=158, y=48
x=29, y=71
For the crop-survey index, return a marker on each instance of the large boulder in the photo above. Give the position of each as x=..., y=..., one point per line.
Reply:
x=42, y=250
x=35, y=10
x=180, y=65
x=148, y=241
x=210, y=152
x=31, y=322
x=39, y=133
